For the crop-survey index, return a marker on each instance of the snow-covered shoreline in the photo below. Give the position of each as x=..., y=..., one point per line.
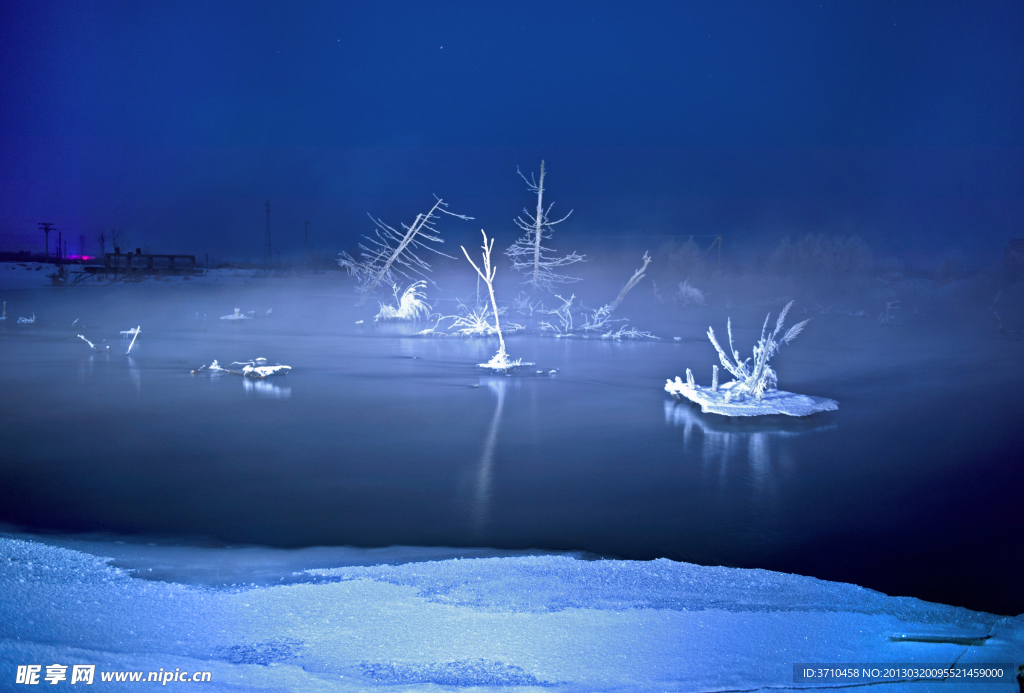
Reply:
x=523, y=623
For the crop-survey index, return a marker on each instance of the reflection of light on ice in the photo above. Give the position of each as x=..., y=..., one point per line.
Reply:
x=135, y=374
x=264, y=388
x=482, y=492
x=723, y=441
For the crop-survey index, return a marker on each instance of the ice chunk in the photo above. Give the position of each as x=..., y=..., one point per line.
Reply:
x=732, y=401
x=237, y=315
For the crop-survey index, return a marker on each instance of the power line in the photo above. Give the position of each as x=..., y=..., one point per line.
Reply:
x=46, y=227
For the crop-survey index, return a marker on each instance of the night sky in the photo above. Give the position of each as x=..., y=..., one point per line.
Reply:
x=902, y=122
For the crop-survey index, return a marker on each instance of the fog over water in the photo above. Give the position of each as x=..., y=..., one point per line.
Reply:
x=378, y=436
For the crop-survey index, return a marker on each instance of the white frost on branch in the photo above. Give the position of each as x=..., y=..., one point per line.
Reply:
x=528, y=254
x=500, y=361
x=250, y=369
x=523, y=305
x=237, y=315
x=410, y=305
x=564, y=315
x=94, y=347
x=472, y=322
x=134, y=332
x=601, y=317
x=631, y=333
x=390, y=251
x=754, y=391
x=27, y=321
x=689, y=295
x=759, y=377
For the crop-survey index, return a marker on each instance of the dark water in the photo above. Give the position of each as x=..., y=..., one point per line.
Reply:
x=376, y=438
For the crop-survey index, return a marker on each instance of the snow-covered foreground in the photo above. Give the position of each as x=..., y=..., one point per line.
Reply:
x=522, y=623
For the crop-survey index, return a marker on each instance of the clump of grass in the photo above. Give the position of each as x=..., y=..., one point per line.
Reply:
x=689, y=295
x=411, y=305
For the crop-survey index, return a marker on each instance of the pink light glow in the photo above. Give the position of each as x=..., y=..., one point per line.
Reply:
x=83, y=258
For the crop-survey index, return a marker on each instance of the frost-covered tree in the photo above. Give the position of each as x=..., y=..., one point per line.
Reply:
x=528, y=254
x=499, y=361
x=390, y=251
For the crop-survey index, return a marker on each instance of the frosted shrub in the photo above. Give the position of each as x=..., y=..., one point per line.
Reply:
x=411, y=305
x=754, y=392
x=473, y=322
x=689, y=295
x=627, y=333
x=564, y=315
x=758, y=377
x=524, y=305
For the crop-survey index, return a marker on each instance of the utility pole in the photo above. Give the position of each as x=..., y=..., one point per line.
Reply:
x=305, y=247
x=46, y=228
x=267, y=257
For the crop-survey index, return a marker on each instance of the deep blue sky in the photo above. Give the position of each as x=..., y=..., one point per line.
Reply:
x=900, y=121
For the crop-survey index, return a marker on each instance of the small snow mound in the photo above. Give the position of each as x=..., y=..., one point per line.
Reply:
x=468, y=672
x=262, y=653
x=727, y=403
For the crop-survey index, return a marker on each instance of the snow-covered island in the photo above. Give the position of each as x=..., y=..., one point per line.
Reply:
x=727, y=400
x=754, y=392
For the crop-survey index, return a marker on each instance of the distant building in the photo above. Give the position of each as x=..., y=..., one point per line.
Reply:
x=143, y=264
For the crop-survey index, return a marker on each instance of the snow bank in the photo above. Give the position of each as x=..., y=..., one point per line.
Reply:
x=520, y=623
x=24, y=275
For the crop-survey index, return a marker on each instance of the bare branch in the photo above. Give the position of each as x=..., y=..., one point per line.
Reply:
x=391, y=251
x=528, y=254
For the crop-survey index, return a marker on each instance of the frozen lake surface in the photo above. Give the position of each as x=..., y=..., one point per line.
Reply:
x=378, y=438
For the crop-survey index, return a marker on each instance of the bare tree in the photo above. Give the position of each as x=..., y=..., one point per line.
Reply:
x=119, y=239
x=394, y=252
x=500, y=361
x=528, y=253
